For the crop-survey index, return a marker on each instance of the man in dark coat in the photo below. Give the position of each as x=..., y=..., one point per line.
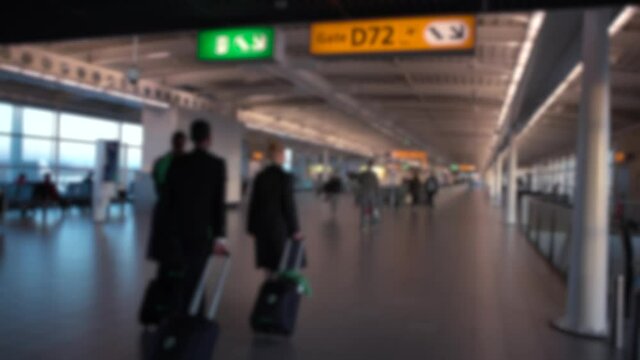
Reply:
x=272, y=211
x=194, y=197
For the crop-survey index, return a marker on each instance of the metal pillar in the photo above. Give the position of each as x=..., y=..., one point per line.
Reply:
x=489, y=181
x=498, y=189
x=586, y=306
x=512, y=194
x=326, y=163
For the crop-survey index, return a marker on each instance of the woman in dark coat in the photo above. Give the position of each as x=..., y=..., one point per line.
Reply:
x=272, y=212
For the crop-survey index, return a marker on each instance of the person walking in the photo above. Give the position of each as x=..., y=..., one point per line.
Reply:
x=272, y=217
x=332, y=189
x=194, y=200
x=432, y=187
x=369, y=192
x=161, y=166
x=414, y=187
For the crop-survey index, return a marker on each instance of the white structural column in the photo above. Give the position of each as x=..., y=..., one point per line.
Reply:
x=498, y=184
x=326, y=164
x=489, y=180
x=158, y=126
x=586, y=307
x=512, y=192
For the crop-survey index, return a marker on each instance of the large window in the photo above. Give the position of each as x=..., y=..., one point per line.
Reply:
x=86, y=128
x=38, y=152
x=5, y=149
x=132, y=134
x=38, y=122
x=77, y=154
x=6, y=117
x=35, y=140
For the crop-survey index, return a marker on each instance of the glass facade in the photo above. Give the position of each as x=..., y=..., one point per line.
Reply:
x=35, y=141
x=558, y=176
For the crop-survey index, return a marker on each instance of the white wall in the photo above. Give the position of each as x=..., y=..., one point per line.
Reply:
x=158, y=126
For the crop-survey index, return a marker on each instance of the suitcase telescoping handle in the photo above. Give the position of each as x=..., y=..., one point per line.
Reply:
x=284, y=260
x=198, y=296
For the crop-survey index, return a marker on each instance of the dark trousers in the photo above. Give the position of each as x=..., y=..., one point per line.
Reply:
x=193, y=272
x=430, y=197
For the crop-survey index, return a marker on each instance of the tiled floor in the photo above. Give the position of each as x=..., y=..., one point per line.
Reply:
x=449, y=284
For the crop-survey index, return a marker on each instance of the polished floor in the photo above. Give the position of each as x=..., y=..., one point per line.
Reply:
x=452, y=283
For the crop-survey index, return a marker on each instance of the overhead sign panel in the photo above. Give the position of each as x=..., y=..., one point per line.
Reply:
x=409, y=155
x=394, y=35
x=465, y=168
x=248, y=43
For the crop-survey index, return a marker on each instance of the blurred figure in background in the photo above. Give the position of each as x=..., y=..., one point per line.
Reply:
x=159, y=219
x=48, y=192
x=394, y=187
x=368, y=194
x=88, y=178
x=414, y=187
x=162, y=164
x=272, y=218
x=332, y=190
x=21, y=179
x=432, y=187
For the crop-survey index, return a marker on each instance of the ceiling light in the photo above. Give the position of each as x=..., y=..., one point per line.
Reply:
x=621, y=20
x=158, y=55
x=533, y=29
x=625, y=16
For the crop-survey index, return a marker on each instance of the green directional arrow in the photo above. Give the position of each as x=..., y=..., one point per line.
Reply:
x=236, y=44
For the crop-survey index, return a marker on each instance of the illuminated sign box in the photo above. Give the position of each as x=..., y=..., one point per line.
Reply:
x=249, y=43
x=394, y=35
x=409, y=155
x=465, y=168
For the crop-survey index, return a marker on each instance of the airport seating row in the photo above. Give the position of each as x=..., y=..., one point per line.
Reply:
x=33, y=196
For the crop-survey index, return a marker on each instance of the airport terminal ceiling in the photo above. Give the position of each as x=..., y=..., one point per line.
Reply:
x=46, y=19
x=448, y=104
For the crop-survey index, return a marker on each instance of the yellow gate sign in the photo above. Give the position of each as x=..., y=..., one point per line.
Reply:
x=395, y=35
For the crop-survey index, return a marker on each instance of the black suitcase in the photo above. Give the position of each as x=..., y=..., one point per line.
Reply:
x=162, y=297
x=276, y=308
x=192, y=336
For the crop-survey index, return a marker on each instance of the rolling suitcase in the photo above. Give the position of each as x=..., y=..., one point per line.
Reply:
x=192, y=336
x=161, y=298
x=276, y=307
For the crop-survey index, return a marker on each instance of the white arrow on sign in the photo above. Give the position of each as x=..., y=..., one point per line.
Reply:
x=242, y=43
x=259, y=42
x=446, y=32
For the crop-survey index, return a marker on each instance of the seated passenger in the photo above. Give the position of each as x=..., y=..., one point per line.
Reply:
x=48, y=192
x=50, y=189
x=21, y=179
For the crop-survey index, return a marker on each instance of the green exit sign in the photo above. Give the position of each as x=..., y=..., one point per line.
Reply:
x=248, y=43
